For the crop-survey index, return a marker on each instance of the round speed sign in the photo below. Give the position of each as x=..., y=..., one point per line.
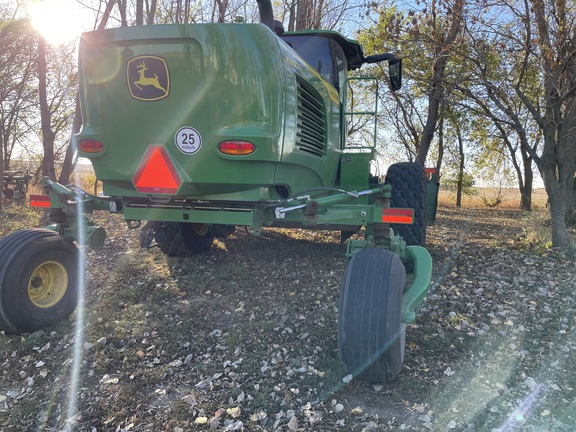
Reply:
x=188, y=140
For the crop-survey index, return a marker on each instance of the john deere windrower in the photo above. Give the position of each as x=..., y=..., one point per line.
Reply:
x=195, y=129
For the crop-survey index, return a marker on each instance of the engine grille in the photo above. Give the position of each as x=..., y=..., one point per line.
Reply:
x=311, y=115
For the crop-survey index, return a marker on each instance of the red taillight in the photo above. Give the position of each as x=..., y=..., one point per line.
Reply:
x=236, y=148
x=157, y=173
x=90, y=146
x=398, y=215
x=40, y=201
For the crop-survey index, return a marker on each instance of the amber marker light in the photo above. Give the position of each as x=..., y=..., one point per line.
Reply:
x=236, y=148
x=90, y=146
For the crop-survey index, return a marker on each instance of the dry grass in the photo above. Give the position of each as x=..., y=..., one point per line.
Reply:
x=510, y=198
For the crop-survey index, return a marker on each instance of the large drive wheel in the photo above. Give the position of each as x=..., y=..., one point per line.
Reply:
x=408, y=181
x=371, y=336
x=38, y=280
x=179, y=239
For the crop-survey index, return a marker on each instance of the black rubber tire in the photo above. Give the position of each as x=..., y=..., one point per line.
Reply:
x=37, y=257
x=178, y=239
x=408, y=181
x=371, y=336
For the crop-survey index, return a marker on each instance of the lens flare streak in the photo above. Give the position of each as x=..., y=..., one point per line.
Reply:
x=72, y=415
x=521, y=414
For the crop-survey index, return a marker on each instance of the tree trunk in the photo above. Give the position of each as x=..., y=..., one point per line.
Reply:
x=106, y=14
x=122, y=10
x=304, y=12
x=557, y=164
x=315, y=22
x=292, y=17
x=431, y=120
x=222, y=7
x=68, y=165
x=551, y=167
x=557, y=201
x=568, y=199
x=1, y=170
x=436, y=90
x=151, y=13
x=440, y=147
x=139, y=12
x=572, y=215
x=460, y=167
x=526, y=196
x=48, y=135
x=527, y=186
x=557, y=215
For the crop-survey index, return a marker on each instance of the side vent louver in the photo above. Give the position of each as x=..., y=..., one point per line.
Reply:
x=311, y=128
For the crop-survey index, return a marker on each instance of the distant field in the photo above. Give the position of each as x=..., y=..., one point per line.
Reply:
x=510, y=198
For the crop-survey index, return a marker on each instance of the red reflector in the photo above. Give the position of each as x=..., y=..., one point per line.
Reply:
x=40, y=201
x=236, y=147
x=90, y=146
x=397, y=215
x=157, y=173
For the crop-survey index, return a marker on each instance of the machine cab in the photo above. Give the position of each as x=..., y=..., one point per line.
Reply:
x=329, y=53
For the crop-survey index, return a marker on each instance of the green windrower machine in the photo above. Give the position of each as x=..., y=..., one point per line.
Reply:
x=196, y=129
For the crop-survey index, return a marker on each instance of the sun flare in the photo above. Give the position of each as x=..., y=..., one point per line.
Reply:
x=58, y=21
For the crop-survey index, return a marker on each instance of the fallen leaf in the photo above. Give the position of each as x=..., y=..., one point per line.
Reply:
x=357, y=411
x=234, y=412
x=201, y=420
x=293, y=424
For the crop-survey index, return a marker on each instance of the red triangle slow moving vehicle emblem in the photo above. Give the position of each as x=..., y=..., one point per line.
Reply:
x=156, y=173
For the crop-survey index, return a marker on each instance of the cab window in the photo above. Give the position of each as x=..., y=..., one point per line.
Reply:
x=341, y=65
x=317, y=52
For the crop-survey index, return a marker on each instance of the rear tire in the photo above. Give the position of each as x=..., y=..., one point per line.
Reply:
x=178, y=239
x=371, y=336
x=408, y=181
x=38, y=280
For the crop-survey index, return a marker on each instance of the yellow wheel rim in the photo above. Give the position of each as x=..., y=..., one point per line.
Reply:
x=47, y=284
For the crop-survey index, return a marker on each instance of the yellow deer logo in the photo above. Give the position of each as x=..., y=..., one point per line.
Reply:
x=147, y=81
x=148, y=78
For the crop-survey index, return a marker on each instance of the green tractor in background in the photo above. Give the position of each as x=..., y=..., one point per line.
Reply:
x=15, y=185
x=196, y=129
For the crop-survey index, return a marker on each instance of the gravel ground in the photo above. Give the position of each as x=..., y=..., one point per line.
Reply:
x=244, y=338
